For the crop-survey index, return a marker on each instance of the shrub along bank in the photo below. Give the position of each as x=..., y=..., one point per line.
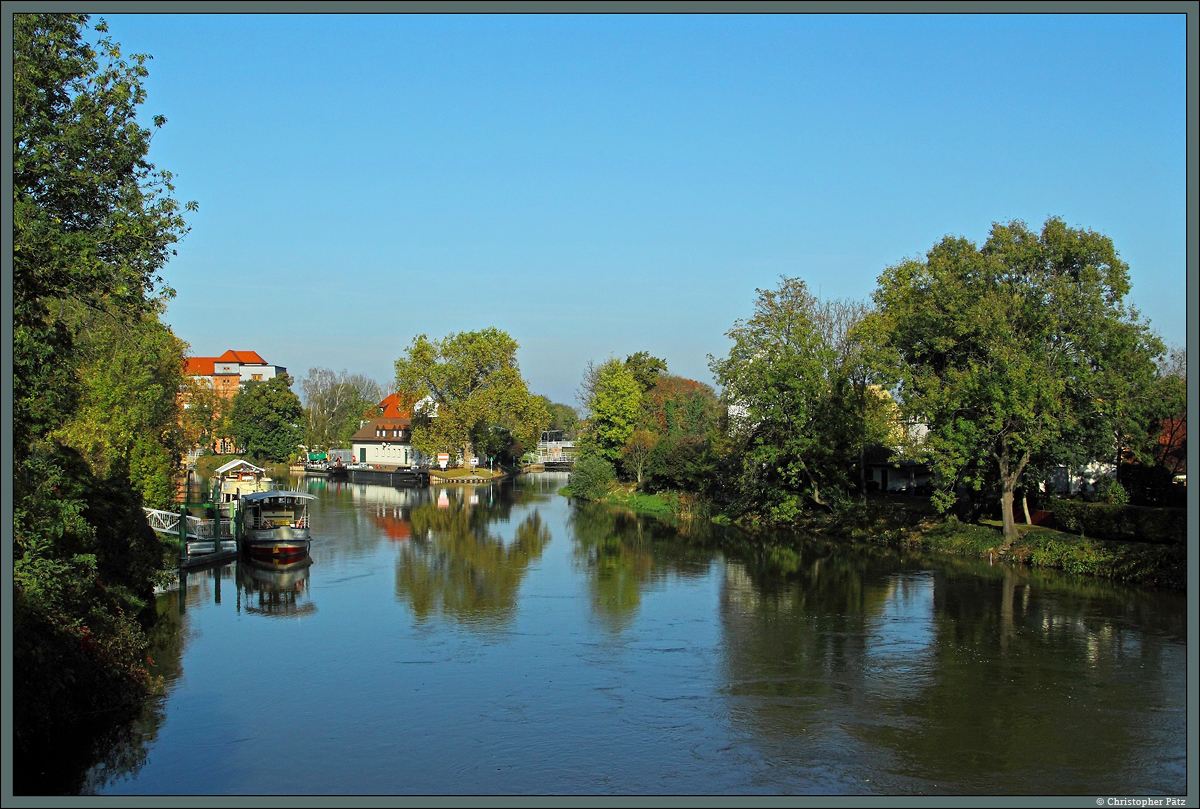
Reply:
x=1161, y=564
x=1119, y=522
x=1148, y=563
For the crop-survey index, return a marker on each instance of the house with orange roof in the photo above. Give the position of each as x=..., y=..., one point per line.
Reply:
x=384, y=439
x=226, y=373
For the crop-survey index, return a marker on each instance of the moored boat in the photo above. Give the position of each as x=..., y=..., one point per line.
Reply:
x=275, y=524
x=238, y=478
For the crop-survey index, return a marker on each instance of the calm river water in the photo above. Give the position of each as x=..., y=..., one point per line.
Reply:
x=503, y=640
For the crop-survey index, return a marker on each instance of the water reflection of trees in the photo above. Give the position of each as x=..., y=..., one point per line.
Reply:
x=985, y=680
x=459, y=566
x=110, y=751
x=625, y=555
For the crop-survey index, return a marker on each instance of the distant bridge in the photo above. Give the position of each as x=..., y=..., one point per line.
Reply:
x=553, y=452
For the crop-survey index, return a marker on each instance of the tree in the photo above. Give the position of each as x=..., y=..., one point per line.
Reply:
x=636, y=451
x=683, y=415
x=1149, y=476
x=613, y=408
x=334, y=404
x=93, y=221
x=93, y=224
x=645, y=369
x=265, y=419
x=127, y=423
x=205, y=413
x=1017, y=353
x=473, y=389
x=563, y=418
x=789, y=381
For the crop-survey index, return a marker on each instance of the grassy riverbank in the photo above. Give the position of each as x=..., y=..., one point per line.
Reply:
x=1147, y=564
x=912, y=523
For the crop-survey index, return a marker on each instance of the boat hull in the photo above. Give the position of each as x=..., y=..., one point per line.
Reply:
x=277, y=543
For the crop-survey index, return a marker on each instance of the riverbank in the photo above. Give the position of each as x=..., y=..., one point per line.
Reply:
x=914, y=526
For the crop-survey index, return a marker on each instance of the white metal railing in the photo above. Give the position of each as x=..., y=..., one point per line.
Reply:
x=164, y=522
x=167, y=522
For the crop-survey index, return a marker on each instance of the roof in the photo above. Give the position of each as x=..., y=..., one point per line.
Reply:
x=244, y=357
x=367, y=431
x=223, y=468
x=256, y=496
x=203, y=366
x=390, y=407
x=198, y=366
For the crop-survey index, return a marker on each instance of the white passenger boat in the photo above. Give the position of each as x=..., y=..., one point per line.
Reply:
x=275, y=524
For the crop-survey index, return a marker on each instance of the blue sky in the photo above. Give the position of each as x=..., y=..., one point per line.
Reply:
x=596, y=185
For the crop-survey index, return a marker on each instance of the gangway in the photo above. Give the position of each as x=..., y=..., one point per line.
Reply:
x=200, y=539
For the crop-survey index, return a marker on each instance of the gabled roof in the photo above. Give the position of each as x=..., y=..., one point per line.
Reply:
x=243, y=357
x=367, y=431
x=198, y=366
x=223, y=468
x=390, y=407
x=203, y=366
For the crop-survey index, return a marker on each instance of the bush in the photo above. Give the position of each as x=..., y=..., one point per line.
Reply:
x=591, y=478
x=1125, y=523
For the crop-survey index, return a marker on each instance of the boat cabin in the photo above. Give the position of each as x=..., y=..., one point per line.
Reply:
x=238, y=478
x=276, y=509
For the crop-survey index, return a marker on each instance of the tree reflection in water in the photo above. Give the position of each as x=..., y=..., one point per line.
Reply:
x=624, y=555
x=988, y=679
x=458, y=566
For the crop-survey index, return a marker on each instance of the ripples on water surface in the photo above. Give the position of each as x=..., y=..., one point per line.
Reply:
x=501, y=640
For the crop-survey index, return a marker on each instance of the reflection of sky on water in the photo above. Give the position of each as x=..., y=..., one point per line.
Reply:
x=606, y=657
x=899, y=637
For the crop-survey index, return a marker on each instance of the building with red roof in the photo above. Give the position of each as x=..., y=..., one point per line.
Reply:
x=226, y=373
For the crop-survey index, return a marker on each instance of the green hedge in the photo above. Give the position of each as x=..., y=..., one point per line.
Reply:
x=1124, y=523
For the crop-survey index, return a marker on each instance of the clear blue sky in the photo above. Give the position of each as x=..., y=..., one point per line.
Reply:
x=596, y=185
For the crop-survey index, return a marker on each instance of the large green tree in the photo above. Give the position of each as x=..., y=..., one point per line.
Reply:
x=93, y=224
x=466, y=394
x=266, y=418
x=128, y=420
x=1017, y=353
x=792, y=383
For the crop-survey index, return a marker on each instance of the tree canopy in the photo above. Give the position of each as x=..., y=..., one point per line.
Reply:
x=466, y=393
x=793, y=381
x=334, y=405
x=265, y=419
x=94, y=373
x=1017, y=353
x=613, y=407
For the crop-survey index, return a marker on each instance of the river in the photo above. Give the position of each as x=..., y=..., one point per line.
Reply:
x=504, y=640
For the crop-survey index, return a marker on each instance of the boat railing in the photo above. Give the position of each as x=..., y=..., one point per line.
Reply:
x=209, y=529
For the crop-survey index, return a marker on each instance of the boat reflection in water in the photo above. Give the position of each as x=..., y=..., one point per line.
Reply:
x=278, y=588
